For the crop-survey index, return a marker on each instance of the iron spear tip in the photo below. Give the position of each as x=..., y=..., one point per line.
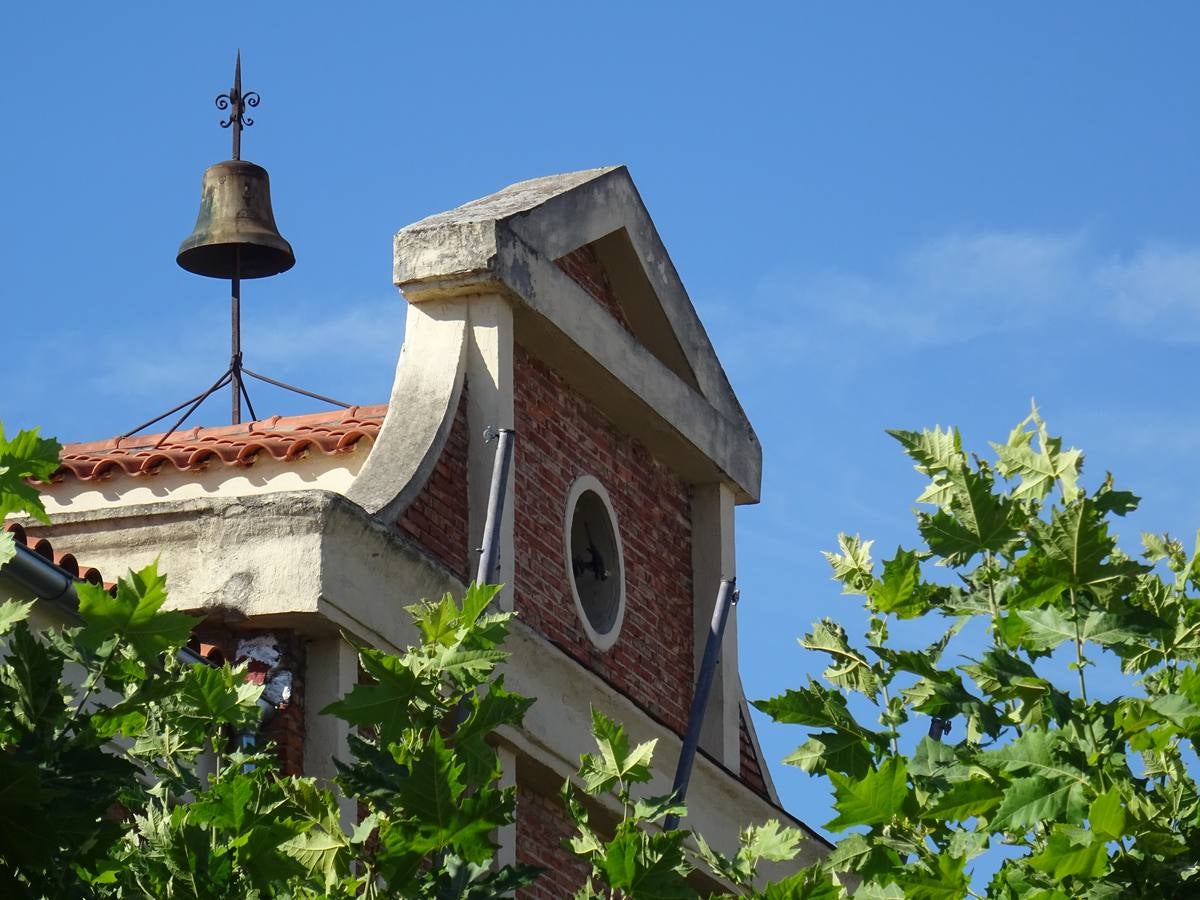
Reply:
x=237, y=72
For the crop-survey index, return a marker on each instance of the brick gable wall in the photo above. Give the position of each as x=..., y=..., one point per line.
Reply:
x=751, y=769
x=437, y=518
x=561, y=436
x=542, y=826
x=585, y=269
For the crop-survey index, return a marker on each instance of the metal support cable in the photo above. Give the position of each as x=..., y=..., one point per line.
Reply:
x=296, y=390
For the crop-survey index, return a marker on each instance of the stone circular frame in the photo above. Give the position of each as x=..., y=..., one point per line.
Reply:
x=595, y=562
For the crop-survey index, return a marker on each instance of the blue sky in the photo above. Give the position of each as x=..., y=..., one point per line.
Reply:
x=886, y=215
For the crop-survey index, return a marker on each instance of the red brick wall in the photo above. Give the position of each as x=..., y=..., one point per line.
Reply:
x=584, y=267
x=751, y=766
x=560, y=436
x=285, y=727
x=437, y=518
x=542, y=825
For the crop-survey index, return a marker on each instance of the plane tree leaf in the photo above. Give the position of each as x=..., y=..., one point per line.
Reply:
x=964, y=800
x=848, y=667
x=1076, y=549
x=876, y=798
x=1071, y=851
x=852, y=565
x=832, y=751
x=818, y=706
x=25, y=457
x=899, y=590
x=12, y=612
x=1038, y=465
x=134, y=615
x=975, y=520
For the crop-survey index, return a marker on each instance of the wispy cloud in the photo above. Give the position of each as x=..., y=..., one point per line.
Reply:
x=1145, y=434
x=1155, y=291
x=957, y=288
x=370, y=331
x=357, y=338
x=966, y=285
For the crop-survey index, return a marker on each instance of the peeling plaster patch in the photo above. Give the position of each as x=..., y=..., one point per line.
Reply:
x=278, y=689
x=262, y=653
x=237, y=589
x=263, y=649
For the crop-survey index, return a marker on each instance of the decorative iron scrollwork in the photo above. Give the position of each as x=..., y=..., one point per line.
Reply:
x=238, y=103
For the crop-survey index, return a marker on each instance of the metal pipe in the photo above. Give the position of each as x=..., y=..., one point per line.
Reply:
x=235, y=324
x=42, y=578
x=939, y=728
x=489, y=551
x=727, y=596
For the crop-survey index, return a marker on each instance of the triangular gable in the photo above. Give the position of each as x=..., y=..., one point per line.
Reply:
x=607, y=209
x=548, y=242
x=610, y=271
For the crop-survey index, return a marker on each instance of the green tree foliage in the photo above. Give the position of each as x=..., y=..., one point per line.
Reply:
x=59, y=788
x=101, y=795
x=639, y=859
x=1081, y=796
x=100, y=792
x=102, y=728
x=428, y=774
x=26, y=457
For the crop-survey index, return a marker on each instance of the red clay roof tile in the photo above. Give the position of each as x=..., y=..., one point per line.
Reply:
x=284, y=438
x=65, y=561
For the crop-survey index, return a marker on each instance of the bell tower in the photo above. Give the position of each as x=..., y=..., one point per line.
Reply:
x=548, y=315
x=235, y=237
x=553, y=309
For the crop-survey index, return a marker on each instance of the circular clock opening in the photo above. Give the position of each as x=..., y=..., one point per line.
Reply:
x=595, y=566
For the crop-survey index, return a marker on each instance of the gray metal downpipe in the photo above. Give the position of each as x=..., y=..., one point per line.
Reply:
x=41, y=577
x=489, y=551
x=727, y=596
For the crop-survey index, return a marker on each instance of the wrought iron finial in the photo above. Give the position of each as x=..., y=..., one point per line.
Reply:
x=236, y=102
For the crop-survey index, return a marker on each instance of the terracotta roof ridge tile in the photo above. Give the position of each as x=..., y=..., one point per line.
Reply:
x=282, y=438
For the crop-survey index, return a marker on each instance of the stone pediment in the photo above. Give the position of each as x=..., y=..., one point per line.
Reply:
x=599, y=298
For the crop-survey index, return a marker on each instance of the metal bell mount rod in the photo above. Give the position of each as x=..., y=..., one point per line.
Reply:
x=235, y=238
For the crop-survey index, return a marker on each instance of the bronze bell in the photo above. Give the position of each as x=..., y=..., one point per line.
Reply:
x=235, y=234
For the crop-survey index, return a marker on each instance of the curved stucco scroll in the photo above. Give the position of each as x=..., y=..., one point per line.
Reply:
x=425, y=396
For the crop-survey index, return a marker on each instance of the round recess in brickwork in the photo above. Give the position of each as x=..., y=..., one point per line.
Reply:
x=595, y=564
